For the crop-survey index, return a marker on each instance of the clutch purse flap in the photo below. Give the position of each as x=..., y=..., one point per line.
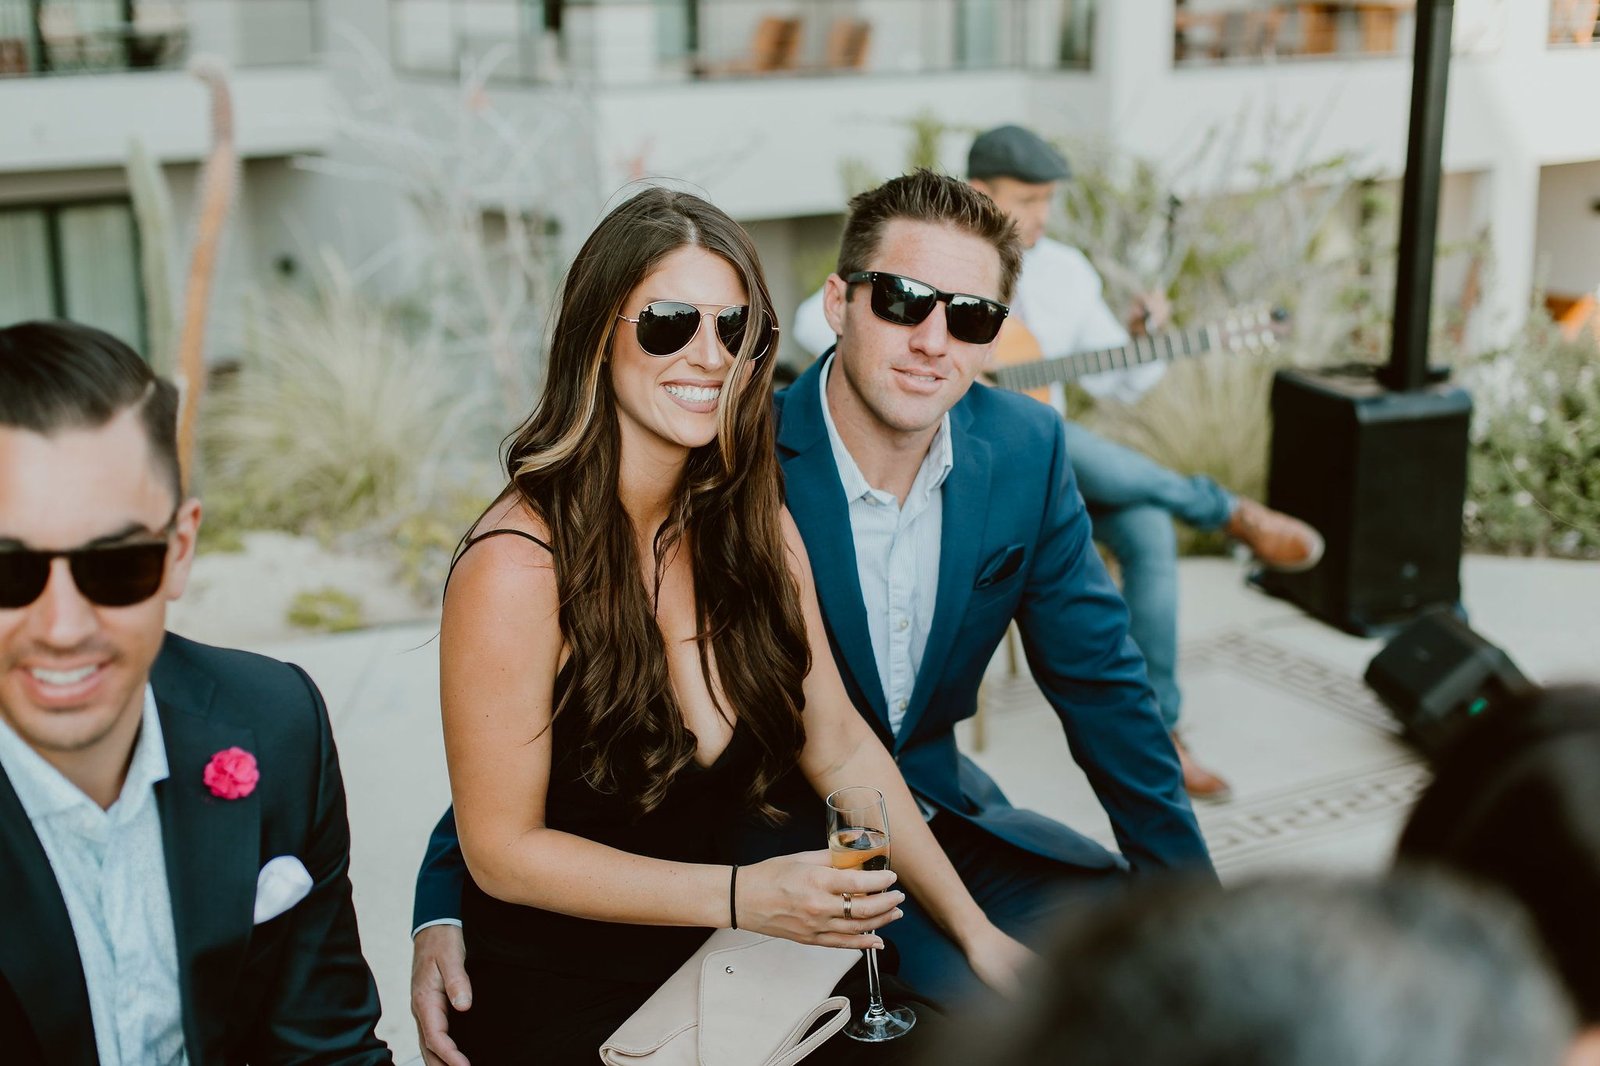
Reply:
x=738, y=1001
x=759, y=997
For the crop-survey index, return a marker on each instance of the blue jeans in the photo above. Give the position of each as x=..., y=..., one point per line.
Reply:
x=1132, y=501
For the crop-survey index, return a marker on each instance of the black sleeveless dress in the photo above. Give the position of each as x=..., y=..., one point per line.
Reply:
x=549, y=988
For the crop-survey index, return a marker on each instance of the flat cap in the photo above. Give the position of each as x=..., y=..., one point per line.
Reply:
x=1013, y=152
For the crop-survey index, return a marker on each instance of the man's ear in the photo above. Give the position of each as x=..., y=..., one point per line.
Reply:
x=834, y=294
x=185, y=536
x=1585, y=1049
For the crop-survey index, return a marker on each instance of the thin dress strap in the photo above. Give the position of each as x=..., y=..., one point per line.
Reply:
x=485, y=536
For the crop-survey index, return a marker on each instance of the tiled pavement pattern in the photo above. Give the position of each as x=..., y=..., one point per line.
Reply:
x=1274, y=701
x=1314, y=759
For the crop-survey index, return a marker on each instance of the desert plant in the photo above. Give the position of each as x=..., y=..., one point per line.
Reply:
x=339, y=419
x=219, y=181
x=490, y=200
x=425, y=542
x=152, y=209
x=325, y=610
x=1203, y=417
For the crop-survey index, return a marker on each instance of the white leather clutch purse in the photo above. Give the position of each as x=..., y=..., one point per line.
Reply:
x=743, y=999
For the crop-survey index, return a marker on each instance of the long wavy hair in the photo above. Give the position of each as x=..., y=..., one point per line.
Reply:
x=564, y=464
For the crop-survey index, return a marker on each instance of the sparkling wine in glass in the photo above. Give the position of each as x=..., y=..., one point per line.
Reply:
x=858, y=839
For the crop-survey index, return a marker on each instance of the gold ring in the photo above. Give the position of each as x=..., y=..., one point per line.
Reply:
x=846, y=905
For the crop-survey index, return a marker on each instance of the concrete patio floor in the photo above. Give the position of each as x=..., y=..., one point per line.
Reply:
x=1274, y=701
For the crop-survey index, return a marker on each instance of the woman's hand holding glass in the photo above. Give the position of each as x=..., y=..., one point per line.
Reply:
x=801, y=897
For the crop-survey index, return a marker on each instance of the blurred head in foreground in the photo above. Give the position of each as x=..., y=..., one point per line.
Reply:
x=1517, y=805
x=1287, y=972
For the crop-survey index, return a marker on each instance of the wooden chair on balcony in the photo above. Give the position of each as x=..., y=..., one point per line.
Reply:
x=1232, y=34
x=14, y=56
x=1573, y=314
x=1380, y=24
x=1574, y=21
x=849, y=41
x=1198, y=34
x=774, y=47
x=1263, y=31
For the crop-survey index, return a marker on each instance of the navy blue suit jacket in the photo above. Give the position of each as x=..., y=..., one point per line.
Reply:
x=292, y=989
x=1015, y=544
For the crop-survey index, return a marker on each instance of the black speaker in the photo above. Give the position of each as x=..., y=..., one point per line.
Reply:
x=1383, y=476
x=1438, y=676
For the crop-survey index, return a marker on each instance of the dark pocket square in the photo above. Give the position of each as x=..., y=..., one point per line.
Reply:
x=1000, y=566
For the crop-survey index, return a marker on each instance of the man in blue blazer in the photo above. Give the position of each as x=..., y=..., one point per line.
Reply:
x=935, y=512
x=174, y=851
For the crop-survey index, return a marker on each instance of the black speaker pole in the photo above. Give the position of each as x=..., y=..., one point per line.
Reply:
x=1419, y=203
x=1378, y=462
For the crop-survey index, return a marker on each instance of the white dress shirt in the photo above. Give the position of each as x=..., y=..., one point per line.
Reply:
x=897, y=557
x=1060, y=299
x=111, y=868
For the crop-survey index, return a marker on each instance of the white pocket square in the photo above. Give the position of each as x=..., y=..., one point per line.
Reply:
x=281, y=884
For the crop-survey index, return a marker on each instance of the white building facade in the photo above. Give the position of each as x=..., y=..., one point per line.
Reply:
x=765, y=105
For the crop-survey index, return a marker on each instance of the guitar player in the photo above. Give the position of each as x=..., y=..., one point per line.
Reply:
x=1059, y=309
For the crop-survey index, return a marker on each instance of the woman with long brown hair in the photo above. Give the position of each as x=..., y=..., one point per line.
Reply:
x=632, y=654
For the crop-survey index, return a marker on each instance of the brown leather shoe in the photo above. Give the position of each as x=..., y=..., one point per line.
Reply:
x=1281, y=542
x=1199, y=782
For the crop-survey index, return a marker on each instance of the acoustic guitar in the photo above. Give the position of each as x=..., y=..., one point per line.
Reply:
x=1018, y=362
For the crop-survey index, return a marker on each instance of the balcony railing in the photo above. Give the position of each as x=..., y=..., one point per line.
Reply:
x=656, y=40
x=97, y=36
x=1214, y=32
x=1574, y=23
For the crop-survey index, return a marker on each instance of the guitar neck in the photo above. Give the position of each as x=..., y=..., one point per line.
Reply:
x=1162, y=348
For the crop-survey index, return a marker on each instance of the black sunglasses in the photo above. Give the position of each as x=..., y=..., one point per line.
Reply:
x=907, y=301
x=665, y=327
x=116, y=575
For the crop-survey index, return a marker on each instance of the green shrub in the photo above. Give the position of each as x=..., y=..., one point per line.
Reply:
x=424, y=543
x=1534, y=478
x=326, y=610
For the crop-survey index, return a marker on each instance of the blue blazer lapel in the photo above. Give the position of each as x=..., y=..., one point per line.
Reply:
x=212, y=851
x=39, y=954
x=965, y=512
x=816, y=499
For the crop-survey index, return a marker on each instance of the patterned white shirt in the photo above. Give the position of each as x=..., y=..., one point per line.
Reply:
x=111, y=868
x=897, y=557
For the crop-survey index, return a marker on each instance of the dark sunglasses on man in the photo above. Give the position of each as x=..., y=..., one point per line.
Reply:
x=907, y=301
x=665, y=327
x=107, y=575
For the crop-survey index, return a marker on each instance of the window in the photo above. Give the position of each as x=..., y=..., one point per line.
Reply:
x=77, y=261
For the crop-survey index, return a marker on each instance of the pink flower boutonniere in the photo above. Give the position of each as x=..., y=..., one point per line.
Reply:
x=231, y=774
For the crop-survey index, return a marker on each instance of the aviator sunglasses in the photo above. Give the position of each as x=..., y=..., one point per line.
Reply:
x=906, y=302
x=665, y=327
x=112, y=575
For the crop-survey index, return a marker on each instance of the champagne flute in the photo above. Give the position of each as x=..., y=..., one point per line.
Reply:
x=858, y=839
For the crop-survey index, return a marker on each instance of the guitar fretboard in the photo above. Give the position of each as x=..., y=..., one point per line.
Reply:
x=1164, y=347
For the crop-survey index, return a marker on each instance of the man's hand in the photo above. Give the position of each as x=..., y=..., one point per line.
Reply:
x=438, y=971
x=1151, y=312
x=997, y=959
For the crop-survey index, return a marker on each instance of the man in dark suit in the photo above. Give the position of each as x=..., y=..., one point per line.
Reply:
x=935, y=512
x=172, y=819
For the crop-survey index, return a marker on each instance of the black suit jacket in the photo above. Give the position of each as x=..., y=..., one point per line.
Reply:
x=293, y=989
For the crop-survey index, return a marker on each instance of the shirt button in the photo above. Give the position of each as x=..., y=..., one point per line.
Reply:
x=902, y=705
x=903, y=623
